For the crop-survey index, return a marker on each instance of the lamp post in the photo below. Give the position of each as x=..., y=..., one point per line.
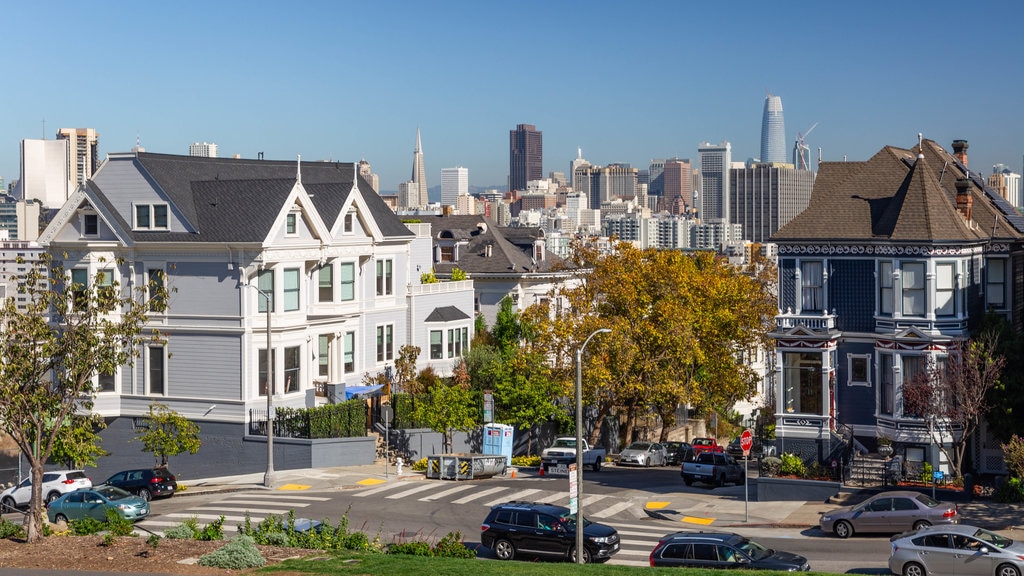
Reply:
x=268, y=476
x=579, y=443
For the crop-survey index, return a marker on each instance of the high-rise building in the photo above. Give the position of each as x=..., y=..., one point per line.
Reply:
x=419, y=173
x=656, y=177
x=84, y=157
x=765, y=197
x=603, y=184
x=454, y=183
x=773, y=131
x=577, y=162
x=713, y=201
x=408, y=195
x=525, y=156
x=677, y=185
x=44, y=172
x=203, y=149
x=1007, y=184
x=367, y=173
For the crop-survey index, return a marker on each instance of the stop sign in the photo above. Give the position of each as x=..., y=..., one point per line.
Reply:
x=746, y=442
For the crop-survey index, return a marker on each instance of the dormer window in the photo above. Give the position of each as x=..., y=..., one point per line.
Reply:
x=150, y=217
x=291, y=224
x=90, y=225
x=348, y=223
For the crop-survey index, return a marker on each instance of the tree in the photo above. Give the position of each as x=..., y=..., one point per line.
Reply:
x=78, y=443
x=52, y=352
x=952, y=398
x=168, y=433
x=449, y=407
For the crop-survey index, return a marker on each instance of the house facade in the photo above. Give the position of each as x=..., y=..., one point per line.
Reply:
x=232, y=239
x=894, y=259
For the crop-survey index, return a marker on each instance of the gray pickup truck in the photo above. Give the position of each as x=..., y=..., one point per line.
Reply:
x=713, y=468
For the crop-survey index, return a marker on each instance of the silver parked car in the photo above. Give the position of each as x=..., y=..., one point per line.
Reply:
x=644, y=454
x=895, y=511
x=955, y=551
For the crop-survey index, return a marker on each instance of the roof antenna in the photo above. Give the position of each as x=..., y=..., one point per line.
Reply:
x=920, y=145
x=298, y=170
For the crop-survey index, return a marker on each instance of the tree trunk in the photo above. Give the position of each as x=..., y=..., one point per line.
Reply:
x=595, y=432
x=34, y=514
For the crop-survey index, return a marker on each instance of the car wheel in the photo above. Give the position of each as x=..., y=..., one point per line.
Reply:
x=52, y=496
x=586, y=555
x=1007, y=570
x=504, y=550
x=915, y=569
x=921, y=524
x=61, y=518
x=647, y=463
x=843, y=529
x=721, y=480
x=145, y=494
x=8, y=505
x=597, y=465
x=687, y=481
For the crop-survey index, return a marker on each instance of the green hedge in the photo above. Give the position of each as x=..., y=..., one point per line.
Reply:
x=344, y=420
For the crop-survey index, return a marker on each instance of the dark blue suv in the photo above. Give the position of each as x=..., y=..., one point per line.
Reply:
x=146, y=482
x=534, y=529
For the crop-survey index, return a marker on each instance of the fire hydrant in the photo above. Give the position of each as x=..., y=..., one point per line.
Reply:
x=398, y=464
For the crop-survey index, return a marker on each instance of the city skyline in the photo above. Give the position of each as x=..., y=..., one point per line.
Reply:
x=345, y=81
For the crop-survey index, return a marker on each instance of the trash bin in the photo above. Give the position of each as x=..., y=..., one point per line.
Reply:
x=969, y=485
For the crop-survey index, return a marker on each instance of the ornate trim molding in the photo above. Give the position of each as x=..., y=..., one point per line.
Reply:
x=889, y=250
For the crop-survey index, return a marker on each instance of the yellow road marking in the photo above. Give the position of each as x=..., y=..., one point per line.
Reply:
x=657, y=505
x=696, y=520
x=294, y=487
x=370, y=481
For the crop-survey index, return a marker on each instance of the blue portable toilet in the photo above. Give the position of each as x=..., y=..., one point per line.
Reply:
x=498, y=441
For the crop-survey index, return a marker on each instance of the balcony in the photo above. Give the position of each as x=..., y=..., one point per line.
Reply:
x=441, y=287
x=811, y=320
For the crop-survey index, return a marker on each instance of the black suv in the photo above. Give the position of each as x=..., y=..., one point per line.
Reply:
x=531, y=528
x=718, y=550
x=145, y=482
x=677, y=452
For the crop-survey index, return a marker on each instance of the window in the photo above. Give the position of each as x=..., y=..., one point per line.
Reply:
x=323, y=357
x=290, y=227
x=292, y=369
x=811, y=293
x=265, y=283
x=995, y=292
x=349, y=223
x=451, y=342
x=436, y=345
x=150, y=217
x=886, y=400
x=350, y=352
x=802, y=387
x=155, y=289
x=913, y=367
x=105, y=382
x=384, y=278
x=447, y=254
x=160, y=216
x=155, y=369
x=945, y=289
x=291, y=289
x=105, y=289
x=264, y=375
x=325, y=282
x=348, y=281
x=885, y=289
x=859, y=370
x=142, y=216
x=912, y=276
x=90, y=225
x=79, y=288
x=385, y=343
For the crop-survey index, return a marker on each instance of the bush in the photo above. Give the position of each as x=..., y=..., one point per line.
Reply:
x=187, y=530
x=526, y=461
x=212, y=531
x=926, y=473
x=769, y=466
x=9, y=529
x=85, y=526
x=356, y=541
x=241, y=552
x=1013, y=455
x=793, y=465
x=419, y=465
x=414, y=548
x=1010, y=491
x=452, y=546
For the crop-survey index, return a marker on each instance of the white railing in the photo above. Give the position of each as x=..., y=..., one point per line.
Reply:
x=816, y=321
x=441, y=287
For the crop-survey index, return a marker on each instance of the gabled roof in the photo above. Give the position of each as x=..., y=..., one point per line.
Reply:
x=446, y=314
x=479, y=232
x=897, y=195
x=238, y=200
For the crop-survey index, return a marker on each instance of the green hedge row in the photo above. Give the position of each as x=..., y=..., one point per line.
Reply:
x=344, y=420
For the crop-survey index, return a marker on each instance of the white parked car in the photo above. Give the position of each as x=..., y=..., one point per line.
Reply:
x=643, y=454
x=56, y=483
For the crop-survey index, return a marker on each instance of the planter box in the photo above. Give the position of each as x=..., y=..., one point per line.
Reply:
x=771, y=489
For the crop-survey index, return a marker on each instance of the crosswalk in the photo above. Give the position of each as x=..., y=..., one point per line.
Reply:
x=638, y=533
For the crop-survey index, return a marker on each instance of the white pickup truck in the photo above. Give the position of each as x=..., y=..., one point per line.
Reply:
x=556, y=458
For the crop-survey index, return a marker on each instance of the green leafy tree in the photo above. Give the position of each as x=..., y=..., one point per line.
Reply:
x=449, y=407
x=168, y=433
x=78, y=443
x=52, y=352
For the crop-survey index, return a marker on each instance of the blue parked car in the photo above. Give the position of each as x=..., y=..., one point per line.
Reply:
x=94, y=503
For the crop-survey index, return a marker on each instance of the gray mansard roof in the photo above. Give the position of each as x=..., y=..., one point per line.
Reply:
x=236, y=200
x=479, y=232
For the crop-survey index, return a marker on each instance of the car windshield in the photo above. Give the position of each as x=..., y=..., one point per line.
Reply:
x=992, y=538
x=702, y=442
x=113, y=492
x=754, y=550
x=927, y=500
x=639, y=446
x=564, y=443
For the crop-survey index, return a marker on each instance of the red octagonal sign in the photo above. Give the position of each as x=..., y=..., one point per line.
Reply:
x=746, y=441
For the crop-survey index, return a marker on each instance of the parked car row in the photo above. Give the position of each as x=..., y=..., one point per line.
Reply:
x=144, y=483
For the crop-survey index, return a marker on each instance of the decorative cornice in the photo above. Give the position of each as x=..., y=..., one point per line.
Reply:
x=889, y=250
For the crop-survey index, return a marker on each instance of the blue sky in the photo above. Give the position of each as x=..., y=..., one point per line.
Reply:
x=625, y=81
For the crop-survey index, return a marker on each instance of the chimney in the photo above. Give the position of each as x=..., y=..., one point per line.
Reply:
x=960, y=151
x=964, y=199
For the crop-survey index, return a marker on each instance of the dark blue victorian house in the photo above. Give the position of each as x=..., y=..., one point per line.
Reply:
x=894, y=259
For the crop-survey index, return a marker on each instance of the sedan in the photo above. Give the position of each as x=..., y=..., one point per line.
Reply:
x=955, y=551
x=643, y=454
x=677, y=452
x=722, y=550
x=94, y=503
x=891, y=512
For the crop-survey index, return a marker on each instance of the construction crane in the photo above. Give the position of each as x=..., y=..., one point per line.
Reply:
x=800, y=149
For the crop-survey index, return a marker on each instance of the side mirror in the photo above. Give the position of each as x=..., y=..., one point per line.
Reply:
x=983, y=550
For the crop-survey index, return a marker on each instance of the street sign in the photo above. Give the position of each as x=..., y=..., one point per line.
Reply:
x=488, y=406
x=746, y=441
x=386, y=413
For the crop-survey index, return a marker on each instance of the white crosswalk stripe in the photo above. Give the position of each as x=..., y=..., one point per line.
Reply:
x=521, y=496
x=448, y=492
x=611, y=510
x=481, y=494
x=410, y=491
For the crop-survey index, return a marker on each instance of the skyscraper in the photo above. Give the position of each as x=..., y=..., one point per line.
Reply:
x=677, y=185
x=773, y=131
x=525, y=156
x=419, y=173
x=366, y=171
x=44, y=172
x=204, y=149
x=765, y=197
x=454, y=183
x=84, y=155
x=713, y=201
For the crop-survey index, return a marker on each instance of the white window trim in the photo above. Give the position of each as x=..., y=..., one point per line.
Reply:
x=82, y=217
x=152, y=216
x=348, y=223
x=147, y=383
x=294, y=214
x=849, y=370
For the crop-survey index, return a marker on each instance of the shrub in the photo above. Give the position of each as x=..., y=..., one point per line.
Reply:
x=926, y=473
x=1013, y=454
x=793, y=465
x=428, y=278
x=1010, y=491
x=9, y=529
x=452, y=546
x=85, y=526
x=526, y=461
x=414, y=548
x=356, y=541
x=187, y=530
x=419, y=465
x=153, y=540
x=769, y=466
x=108, y=539
x=240, y=552
x=212, y=531
x=458, y=274
x=118, y=525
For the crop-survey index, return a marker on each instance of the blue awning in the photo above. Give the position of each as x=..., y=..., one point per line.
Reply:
x=363, y=391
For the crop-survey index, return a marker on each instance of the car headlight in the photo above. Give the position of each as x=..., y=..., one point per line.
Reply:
x=601, y=539
x=826, y=518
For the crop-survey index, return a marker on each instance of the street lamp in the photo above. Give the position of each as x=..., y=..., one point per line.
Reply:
x=268, y=477
x=579, y=443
